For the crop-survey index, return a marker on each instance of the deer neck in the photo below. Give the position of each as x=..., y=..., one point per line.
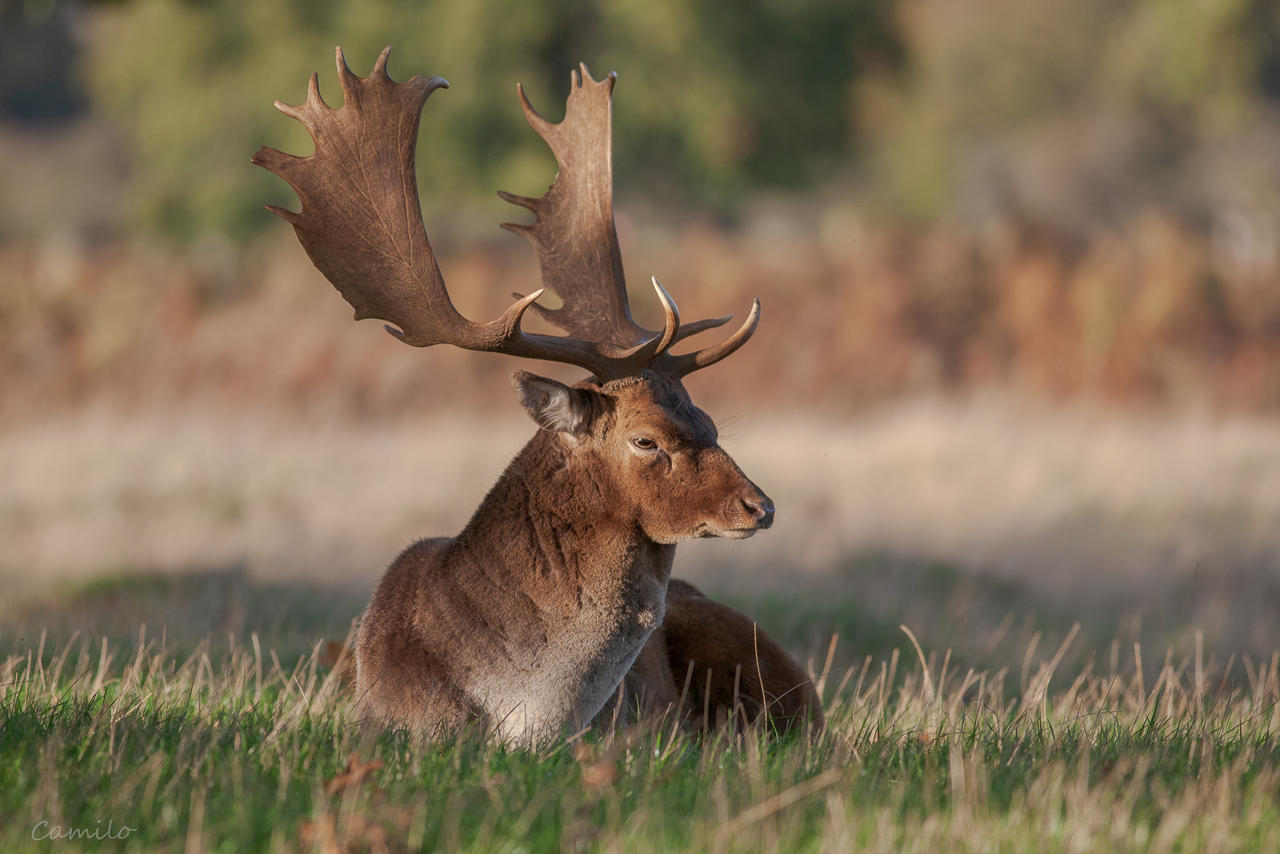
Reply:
x=567, y=590
x=553, y=525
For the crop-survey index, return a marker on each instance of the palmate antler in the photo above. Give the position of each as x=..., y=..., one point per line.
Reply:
x=361, y=224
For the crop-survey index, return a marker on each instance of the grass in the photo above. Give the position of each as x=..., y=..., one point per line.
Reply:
x=221, y=738
x=1044, y=562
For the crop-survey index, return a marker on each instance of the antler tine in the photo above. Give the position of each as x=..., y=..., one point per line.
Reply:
x=522, y=201
x=635, y=359
x=686, y=363
x=688, y=330
x=508, y=325
x=308, y=111
x=531, y=115
x=671, y=314
x=313, y=93
x=642, y=355
x=346, y=77
x=380, y=64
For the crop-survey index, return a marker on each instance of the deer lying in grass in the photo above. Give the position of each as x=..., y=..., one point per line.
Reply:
x=556, y=596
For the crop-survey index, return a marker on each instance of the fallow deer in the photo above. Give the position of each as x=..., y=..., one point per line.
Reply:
x=559, y=588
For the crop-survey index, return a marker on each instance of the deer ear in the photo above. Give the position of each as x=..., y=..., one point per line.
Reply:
x=554, y=405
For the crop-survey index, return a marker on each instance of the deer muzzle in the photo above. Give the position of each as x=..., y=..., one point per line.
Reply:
x=759, y=507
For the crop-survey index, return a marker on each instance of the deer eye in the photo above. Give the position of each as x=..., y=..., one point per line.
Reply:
x=644, y=443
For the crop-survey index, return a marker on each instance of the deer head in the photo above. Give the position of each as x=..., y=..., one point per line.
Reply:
x=361, y=224
x=652, y=454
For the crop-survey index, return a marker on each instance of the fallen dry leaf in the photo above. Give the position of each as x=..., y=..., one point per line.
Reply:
x=354, y=774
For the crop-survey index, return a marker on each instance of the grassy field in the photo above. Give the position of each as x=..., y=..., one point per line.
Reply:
x=203, y=740
x=1092, y=660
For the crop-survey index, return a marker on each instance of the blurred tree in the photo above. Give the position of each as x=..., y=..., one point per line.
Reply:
x=36, y=42
x=715, y=98
x=1071, y=113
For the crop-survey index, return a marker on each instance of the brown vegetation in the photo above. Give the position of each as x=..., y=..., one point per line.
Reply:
x=1154, y=314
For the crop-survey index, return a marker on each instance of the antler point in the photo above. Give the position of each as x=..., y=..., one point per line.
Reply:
x=516, y=228
x=284, y=213
x=345, y=75
x=313, y=91
x=664, y=297
x=532, y=116
x=521, y=201
x=380, y=64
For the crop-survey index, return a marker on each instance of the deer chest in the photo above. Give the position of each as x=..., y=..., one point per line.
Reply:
x=542, y=689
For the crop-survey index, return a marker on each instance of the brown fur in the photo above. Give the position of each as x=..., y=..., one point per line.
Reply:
x=710, y=663
x=529, y=619
x=732, y=661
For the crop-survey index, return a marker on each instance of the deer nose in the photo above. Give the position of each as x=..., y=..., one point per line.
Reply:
x=759, y=507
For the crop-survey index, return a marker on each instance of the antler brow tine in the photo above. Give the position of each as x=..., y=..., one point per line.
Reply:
x=686, y=363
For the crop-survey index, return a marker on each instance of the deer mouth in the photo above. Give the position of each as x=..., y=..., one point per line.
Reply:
x=710, y=531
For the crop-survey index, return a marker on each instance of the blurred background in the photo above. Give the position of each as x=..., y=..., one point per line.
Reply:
x=1019, y=366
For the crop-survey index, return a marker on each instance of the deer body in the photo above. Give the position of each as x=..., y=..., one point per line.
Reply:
x=556, y=596
x=553, y=596
x=560, y=577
